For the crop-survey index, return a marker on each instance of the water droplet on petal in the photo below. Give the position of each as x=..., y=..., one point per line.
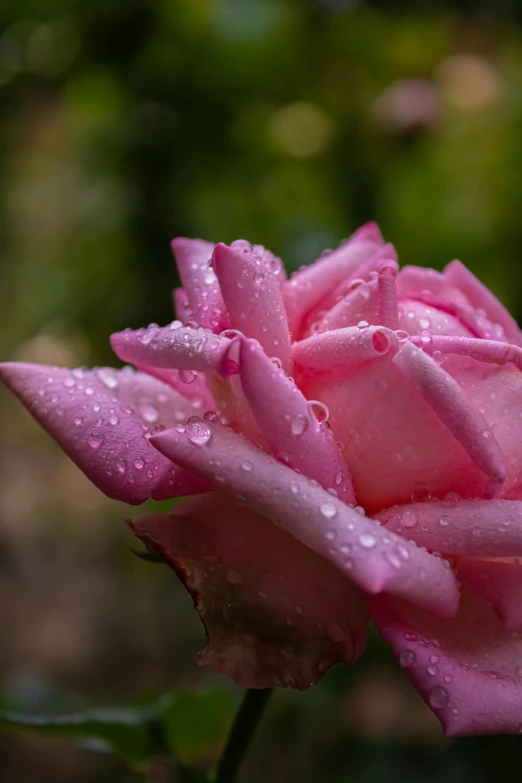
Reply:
x=319, y=410
x=439, y=697
x=328, y=510
x=198, y=431
x=234, y=577
x=367, y=540
x=139, y=463
x=299, y=424
x=247, y=466
x=95, y=440
x=121, y=465
x=409, y=519
x=407, y=658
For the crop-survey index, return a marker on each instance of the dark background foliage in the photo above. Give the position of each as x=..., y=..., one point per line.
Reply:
x=286, y=122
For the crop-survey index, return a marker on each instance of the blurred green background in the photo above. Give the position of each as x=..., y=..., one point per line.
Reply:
x=124, y=123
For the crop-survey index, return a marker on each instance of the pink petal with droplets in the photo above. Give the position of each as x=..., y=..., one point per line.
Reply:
x=387, y=297
x=466, y=668
x=102, y=419
x=253, y=297
x=193, y=257
x=374, y=559
x=360, y=304
x=415, y=280
x=175, y=347
x=182, y=309
x=275, y=613
x=416, y=317
x=481, y=298
x=470, y=528
x=498, y=583
x=344, y=348
x=305, y=289
x=290, y=427
x=452, y=406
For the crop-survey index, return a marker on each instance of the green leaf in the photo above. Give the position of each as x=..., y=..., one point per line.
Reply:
x=193, y=723
x=124, y=732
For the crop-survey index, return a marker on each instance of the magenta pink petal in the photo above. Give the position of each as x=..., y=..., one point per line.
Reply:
x=375, y=559
x=498, y=583
x=308, y=287
x=289, y=425
x=490, y=351
x=193, y=257
x=466, y=668
x=175, y=347
x=190, y=384
x=253, y=297
x=481, y=298
x=471, y=528
x=181, y=306
x=451, y=404
x=103, y=420
x=344, y=347
x=359, y=304
x=275, y=613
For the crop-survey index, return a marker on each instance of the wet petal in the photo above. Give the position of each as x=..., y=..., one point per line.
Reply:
x=181, y=306
x=417, y=317
x=452, y=406
x=253, y=297
x=466, y=668
x=103, y=419
x=498, y=583
x=289, y=425
x=481, y=298
x=359, y=304
x=174, y=347
x=308, y=287
x=275, y=613
x=472, y=528
x=344, y=348
x=370, y=556
x=204, y=297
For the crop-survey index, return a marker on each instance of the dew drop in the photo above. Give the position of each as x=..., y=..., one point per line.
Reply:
x=409, y=519
x=198, y=432
x=234, y=577
x=121, y=465
x=407, y=658
x=246, y=466
x=439, y=697
x=432, y=671
x=299, y=425
x=319, y=410
x=367, y=540
x=139, y=463
x=328, y=510
x=187, y=376
x=95, y=440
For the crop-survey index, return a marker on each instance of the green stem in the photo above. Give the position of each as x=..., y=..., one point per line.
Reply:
x=241, y=733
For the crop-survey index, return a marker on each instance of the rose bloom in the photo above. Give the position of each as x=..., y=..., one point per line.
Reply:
x=351, y=438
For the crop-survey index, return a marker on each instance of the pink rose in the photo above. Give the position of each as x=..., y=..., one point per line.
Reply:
x=289, y=408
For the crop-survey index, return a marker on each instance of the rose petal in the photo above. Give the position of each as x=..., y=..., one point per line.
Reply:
x=360, y=304
x=481, y=298
x=387, y=296
x=308, y=287
x=253, y=297
x=472, y=528
x=498, y=583
x=452, y=406
x=347, y=347
x=275, y=613
x=373, y=558
x=193, y=258
x=181, y=306
x=102, y=419
x=290, y=427
x=417, y=317
x=174, y=347
x=466, y=668
x=414, y=280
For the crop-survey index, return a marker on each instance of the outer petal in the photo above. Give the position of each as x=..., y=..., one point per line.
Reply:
x=417, y=317
x=498, y=583
x=466, y=668
x=374, y=559
x=253, y=297
x=481, y=298
x=472, y=528
x=181, y=306
x=103, y=420
x=175, y=347
x=275, y=613
x=309, y=286
x=290, y=427
x=193, y=258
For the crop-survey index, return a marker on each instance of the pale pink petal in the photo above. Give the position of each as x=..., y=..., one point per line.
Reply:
x=253, y=298
x=193, y=257
x=490, y=351
x=289, y=425
x=475, y=321
x=387, y=295
x=452, y=406
x=275, y=613
x=181, y=306
x=395, y=445
x=344, y=348
x=103, y=420
x=189, y=383
x=481, y=298
x=308, y=287
x=375, y=559
x=175, y=347
x=498, y=583
x=414, y=280
x=359, y=304
x=470, y=528
x=416, y=317
x=466, y=668
x=268, y=257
